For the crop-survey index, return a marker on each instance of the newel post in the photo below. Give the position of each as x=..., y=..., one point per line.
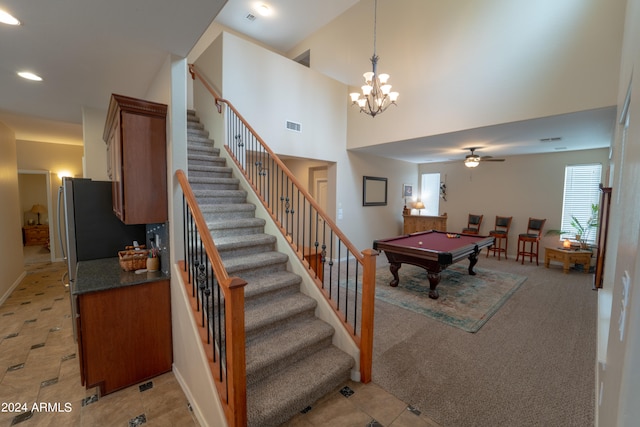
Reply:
x=236, y=357
x=368, y=304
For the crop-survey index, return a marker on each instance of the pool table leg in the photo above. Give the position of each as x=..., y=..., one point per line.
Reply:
x=434, y=279
x=394, y=267
x=473, y=260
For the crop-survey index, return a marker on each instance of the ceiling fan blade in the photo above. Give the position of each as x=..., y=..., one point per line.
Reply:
x=491, y=159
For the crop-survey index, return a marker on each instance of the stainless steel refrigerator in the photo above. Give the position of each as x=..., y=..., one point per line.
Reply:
x=89, y=229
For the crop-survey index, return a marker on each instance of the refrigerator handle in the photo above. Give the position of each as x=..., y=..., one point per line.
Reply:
x=60, y=220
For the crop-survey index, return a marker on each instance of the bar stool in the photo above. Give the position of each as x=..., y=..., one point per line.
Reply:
x=532, y=236
x=501, y=232
x=473, y=224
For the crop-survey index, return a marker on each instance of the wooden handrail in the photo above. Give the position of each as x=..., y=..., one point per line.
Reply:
x=365, y=259
x=195, y=73
x=233, y=290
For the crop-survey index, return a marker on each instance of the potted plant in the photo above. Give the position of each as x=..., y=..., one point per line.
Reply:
x=581, y=231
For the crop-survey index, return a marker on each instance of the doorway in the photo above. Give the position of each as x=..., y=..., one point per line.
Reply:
x=35, y=209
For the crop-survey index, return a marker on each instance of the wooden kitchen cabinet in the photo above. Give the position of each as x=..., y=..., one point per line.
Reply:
x=135, y=134
x=415, y=223
x=124, y=335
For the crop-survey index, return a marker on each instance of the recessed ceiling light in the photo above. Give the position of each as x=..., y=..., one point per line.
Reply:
x=263, y=10
x=30, y=76
x=6, y=18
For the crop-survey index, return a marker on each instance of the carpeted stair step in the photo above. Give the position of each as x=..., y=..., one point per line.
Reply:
x=213, y=183
x=257, y=265
x=197, y=137
x=200, y=161
x=282, y=395
x=192, y=116
x=268, y=355
x=262, y=320
x=205, y=197
x=291, y=362
x=219, y=212
x=236, y=227
x=261, y=289
x=196, y=133
x=200, y=145
x=235, y=246
x=214, y=170
x=195, y=124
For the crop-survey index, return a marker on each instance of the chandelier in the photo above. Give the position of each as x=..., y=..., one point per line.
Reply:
x=376, y=93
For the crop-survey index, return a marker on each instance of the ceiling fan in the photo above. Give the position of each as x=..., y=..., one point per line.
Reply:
x=472, y=160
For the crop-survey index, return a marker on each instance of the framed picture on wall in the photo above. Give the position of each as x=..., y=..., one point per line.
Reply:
x=407, y=190
x=374, y=191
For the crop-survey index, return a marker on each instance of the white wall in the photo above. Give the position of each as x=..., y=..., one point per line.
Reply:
x=618, y=378
x=522, y=187
x=465, y=64
x=11, y=259
x=269, y=89
x=364, y=224
x=286, y=98
x=95, y=149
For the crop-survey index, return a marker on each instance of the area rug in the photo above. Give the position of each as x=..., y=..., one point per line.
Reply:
x=466, y=302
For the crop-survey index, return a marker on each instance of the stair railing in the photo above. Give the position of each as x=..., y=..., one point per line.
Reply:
x=217, y=302
x=345, y=276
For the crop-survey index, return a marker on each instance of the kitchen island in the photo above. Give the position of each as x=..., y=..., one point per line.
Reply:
x=123, y=324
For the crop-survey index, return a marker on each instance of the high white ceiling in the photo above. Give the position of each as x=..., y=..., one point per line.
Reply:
x=87, y=49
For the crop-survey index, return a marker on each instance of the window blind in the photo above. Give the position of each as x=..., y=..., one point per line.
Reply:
x=581, y=191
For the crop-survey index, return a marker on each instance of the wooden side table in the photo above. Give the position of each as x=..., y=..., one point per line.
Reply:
x=566, y=257
x=33, y=235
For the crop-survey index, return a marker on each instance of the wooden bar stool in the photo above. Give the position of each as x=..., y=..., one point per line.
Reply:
x=473, y=224
x=532, y=236
x=501, y=232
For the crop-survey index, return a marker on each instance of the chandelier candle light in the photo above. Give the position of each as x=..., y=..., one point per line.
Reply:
x=376, y=93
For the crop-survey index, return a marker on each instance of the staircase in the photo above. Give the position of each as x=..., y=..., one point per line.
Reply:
x=290, y=361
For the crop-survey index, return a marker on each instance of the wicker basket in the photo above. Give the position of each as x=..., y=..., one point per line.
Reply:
x=132, y=259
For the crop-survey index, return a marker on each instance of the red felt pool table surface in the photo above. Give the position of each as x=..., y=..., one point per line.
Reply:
x=432, y=250
x=436, y=241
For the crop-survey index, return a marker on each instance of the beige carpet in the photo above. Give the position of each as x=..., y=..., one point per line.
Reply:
x=531, y=365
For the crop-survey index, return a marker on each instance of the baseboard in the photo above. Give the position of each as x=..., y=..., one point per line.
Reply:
x=187, y=392
x=13, y=287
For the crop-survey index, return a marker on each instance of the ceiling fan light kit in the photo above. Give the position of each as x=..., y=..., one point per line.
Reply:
x=473, y=160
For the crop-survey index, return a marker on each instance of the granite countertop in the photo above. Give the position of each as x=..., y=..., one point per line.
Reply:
x=106, y=273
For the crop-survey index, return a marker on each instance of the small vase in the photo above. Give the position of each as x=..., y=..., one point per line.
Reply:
x=153, y=264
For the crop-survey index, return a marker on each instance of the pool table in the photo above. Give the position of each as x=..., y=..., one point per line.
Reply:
x=432, y=250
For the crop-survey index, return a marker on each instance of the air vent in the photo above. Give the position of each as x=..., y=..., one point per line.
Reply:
x=555, y=138
x=296, y=127
x=250, y=17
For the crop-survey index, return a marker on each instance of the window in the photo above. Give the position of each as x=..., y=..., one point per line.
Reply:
x=430, y=193
x=581, y=193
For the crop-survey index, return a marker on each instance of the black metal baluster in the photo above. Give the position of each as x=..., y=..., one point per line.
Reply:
x=207, y=294
x=355, y=303
x=346, y=293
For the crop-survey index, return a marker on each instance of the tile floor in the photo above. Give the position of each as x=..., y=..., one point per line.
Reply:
x=40, y=376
